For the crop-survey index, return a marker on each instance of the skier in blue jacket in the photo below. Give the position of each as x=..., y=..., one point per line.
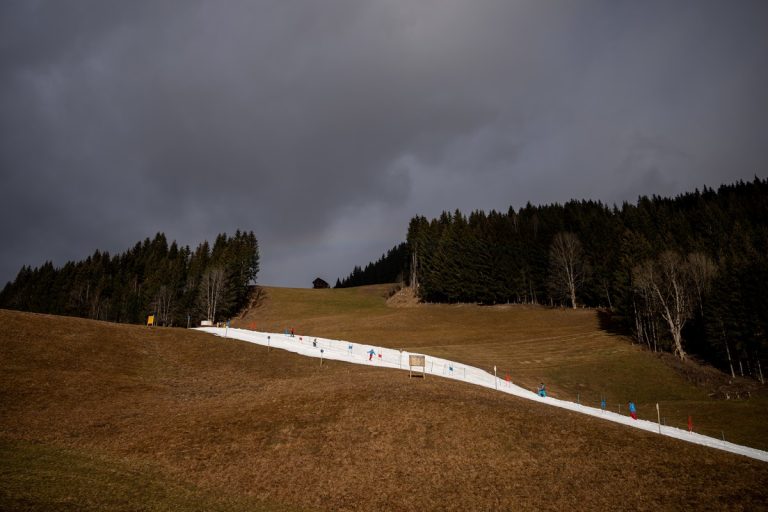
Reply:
x=632, y=410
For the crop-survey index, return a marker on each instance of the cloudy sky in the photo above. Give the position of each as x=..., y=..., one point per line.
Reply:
x=324, y=126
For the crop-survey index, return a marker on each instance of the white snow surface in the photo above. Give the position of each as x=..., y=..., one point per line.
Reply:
x=358, y=353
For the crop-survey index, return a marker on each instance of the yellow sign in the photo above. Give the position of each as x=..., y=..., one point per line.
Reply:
x=151, y=320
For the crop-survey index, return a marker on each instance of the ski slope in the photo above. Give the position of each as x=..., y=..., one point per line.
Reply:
x=390, y=358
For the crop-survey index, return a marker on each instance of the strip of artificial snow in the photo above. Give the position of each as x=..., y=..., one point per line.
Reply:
x=390, y=358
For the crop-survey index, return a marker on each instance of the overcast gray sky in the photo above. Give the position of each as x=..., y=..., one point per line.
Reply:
x=324, y=126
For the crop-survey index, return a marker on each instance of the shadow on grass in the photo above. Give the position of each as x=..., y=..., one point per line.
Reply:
x=613, y=324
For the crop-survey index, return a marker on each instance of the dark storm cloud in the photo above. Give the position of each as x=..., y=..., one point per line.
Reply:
x=325, y=126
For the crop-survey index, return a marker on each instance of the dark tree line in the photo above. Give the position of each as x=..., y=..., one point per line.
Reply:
x=389, y=268
x=173, y=283
x=686, y=274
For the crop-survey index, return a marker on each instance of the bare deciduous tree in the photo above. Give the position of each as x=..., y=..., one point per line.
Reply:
x=672, y=283
x=212, y=288
x=645, y=308
x=163, y=303
x=566, y=263
x=703, y=271
x=415, y=267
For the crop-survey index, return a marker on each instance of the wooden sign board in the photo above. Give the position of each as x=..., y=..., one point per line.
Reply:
x=418, y=361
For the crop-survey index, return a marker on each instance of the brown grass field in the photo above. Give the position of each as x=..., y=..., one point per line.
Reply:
x=98, y=416
x=566, y=349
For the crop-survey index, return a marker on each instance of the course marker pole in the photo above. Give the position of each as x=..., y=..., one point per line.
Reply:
x=495, y=378
x=658, y=416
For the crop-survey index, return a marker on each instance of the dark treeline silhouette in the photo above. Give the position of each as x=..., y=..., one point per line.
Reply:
x=389, y=268
x=686, y=274
x=173, y=283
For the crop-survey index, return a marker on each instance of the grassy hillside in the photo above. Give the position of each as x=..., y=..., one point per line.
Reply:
x=566, y=349
x=98, y=416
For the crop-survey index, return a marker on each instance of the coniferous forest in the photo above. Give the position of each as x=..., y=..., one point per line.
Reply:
x=687, y=274
x=387, y=269
x=175, y=284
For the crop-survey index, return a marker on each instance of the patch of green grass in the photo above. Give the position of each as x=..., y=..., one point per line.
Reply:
x=35, y=477
x=306, y=303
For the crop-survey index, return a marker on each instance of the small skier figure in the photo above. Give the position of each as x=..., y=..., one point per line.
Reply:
x=542, y=390
x=508, y=379
x=292, y=332
x=314, y=342
x=371, y=353
x=602, y=403
x=632, y=410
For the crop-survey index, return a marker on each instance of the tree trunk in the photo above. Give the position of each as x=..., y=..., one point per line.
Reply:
x=566, y=265
x=608, y=295
x=728, y=351
x=678, y=340
x=639, y=324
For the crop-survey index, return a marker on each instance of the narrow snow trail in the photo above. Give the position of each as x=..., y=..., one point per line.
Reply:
x=390, y=358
